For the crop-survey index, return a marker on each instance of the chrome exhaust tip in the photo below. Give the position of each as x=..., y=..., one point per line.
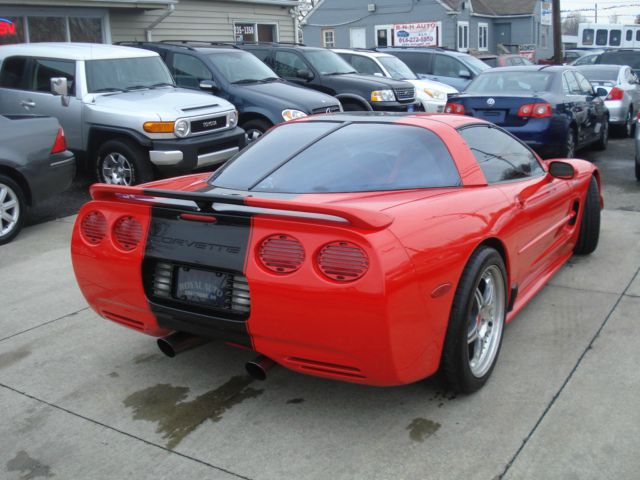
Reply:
x=179, y=342
x=259, y=366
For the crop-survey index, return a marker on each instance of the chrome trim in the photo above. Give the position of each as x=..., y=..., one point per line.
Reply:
x=165, y=157
x=216, y=157
x=63, y=162
x=226, y=113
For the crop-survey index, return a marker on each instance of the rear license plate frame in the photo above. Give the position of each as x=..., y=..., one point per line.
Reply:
x=207, y=288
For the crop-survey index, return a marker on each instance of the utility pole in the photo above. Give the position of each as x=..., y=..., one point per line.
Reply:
x=557, y=32
x=596, y=7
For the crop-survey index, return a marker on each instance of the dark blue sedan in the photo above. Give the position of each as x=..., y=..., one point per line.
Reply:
x=554, y=109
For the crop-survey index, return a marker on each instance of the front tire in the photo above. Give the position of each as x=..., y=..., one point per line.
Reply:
x=474, y=333
x=590, y=221
x=12, y=209
x=602, y=143
x=254, y=129
x=121, y=162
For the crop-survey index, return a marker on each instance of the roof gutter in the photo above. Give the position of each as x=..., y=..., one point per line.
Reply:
x=170, y=9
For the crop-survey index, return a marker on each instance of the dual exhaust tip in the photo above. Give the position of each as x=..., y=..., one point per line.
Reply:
x=179, y=342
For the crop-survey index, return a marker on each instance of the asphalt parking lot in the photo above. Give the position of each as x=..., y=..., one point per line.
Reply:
x=85, y=398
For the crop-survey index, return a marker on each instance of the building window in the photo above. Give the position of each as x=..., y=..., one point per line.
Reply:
x=12, y=30
x=463, y=36
x=329, y=38
x=53, y=28
x=255, y=32
x=483, y=36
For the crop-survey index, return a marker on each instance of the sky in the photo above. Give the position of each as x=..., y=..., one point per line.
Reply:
x=625, y=9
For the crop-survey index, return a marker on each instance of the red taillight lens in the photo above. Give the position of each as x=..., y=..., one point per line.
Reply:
x=343, y=261
x=127, y=233
x=281, y=253
x=60, y=145
x=615, y=94
x=455, y=108
x=535, y=110
x=93, y=227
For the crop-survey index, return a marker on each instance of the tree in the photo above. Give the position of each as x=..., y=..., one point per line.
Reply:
x=571, y=23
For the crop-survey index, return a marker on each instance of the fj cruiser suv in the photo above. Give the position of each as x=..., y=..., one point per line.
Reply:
x=262, y=98
x=121, y=112
x=325, y=71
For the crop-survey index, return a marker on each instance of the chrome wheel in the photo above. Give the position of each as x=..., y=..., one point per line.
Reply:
x=253, y=134
x=486, y=319
x=9, y=210
x=117, y=170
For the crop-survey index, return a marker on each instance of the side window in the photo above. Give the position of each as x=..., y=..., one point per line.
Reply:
x=287, y=64
x=574, y=88
x=601, y=37
x=261, y=53
x=44, y=70
x=615, y=36
x=365, y=65
x=500, y=156
x=189, y=71
x=629, y=36
x=445, y=66
x=13, y=73
x=418, y=62
x=587, y=36
x=638, y=35
x=585, y=86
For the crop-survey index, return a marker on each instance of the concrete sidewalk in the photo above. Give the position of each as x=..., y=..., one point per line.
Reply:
x=84, y=398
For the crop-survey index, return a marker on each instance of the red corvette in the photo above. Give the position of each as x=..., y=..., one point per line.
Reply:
x=368, y=248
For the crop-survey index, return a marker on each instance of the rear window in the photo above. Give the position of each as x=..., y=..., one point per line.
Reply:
x=355, y=157
x=630, y=58
x=596, y=73
x=523, y=81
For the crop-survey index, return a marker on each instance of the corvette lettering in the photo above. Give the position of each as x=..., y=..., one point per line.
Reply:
x=214, y=247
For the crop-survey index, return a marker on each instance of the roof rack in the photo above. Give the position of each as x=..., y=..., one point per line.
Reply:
x=134, y=42
x=271, y=43
x=197, y=42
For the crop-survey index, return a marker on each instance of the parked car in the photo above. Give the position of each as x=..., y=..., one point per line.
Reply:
x=262, y=98
x=505, y=60
x=623, y=93
x=433, y=95
x=637, y=145
x=624, y=56
x=123, y=116
x=572, y=55
x=324, y=71
x=553, y=109
x=453, y=68
x=588, y=59
x=404, y=247
x=34, y=165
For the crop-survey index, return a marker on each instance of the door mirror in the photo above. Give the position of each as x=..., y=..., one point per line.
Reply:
x=563, y=170
x=601, y=92
x=464, y=74
x=304, y=74
x=59, y=86
x=378, y=74
x=208, y=85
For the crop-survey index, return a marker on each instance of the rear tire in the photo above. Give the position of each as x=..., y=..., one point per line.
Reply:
x=637, y=168
x=254, y=129
x=626, y=129
x=121, y=162
x=590, y=221
x=12, y=209
x=474, y=332
x=602, y=143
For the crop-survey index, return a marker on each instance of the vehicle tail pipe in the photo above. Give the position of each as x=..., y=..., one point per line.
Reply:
x=259, y=366
x=179, y=342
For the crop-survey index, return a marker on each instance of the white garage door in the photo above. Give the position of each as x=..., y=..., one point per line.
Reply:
x=358, y=38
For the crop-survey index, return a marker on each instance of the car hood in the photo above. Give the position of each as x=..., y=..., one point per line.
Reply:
x=167, y=103
x=432, y=85
x=372, y=81
x=290, y=96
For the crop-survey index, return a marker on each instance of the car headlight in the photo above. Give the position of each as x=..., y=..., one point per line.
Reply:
x=182, y=128
x=290, y=114
x=436, y=94
x=383, y=96
x=233, y=118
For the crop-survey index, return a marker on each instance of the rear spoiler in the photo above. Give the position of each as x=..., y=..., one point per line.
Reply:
x=207, y=202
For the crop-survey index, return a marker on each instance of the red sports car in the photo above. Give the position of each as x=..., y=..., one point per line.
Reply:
x=370, y=248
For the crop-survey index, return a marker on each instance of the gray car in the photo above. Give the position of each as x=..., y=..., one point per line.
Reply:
x=623, y=93
x=34, y=165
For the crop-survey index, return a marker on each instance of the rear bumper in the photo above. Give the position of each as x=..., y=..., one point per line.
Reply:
x=546, y=135
x=396, y=107
x=618, y=110
x=50, y=178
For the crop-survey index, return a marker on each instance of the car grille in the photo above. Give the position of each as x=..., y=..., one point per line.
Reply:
x=208, y=124
x=403, y=94
x=330, y=109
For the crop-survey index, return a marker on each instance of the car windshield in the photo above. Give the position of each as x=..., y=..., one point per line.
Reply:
x=327, y=157
x=397, y=68
x=239, y=66
x=328, y=62
x=476, y=65
x=631, y=58
x=126, y=74
x=514, y=82
x=599, y=73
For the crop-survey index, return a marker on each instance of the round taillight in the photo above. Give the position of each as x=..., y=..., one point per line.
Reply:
x=127, y=233
x=343, y=261
x=281, y=253
x=93, y=227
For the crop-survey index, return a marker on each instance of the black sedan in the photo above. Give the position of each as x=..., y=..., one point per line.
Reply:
x=34, y=164
x=554, y=109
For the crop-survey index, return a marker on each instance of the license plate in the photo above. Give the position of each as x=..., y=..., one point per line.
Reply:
x=411, y=108
x=202, y=287
x=495, y=116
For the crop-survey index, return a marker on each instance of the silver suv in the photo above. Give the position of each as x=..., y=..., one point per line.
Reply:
x=121, y=112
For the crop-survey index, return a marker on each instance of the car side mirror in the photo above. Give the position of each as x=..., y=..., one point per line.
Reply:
x=601, y=92
x=208, y=85
x=304, y=74
x=563, y=170
x=464, y=74
x=378, y=74
x=59, y=86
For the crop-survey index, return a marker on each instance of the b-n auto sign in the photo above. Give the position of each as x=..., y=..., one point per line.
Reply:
x=7, y=27
x=424, y=34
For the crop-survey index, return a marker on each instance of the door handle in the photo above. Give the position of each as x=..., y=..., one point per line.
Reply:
x=28, y=104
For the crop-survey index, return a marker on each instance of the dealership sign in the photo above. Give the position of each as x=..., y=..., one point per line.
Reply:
x=546, y=13
x=423, y=34
x=7, y=27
